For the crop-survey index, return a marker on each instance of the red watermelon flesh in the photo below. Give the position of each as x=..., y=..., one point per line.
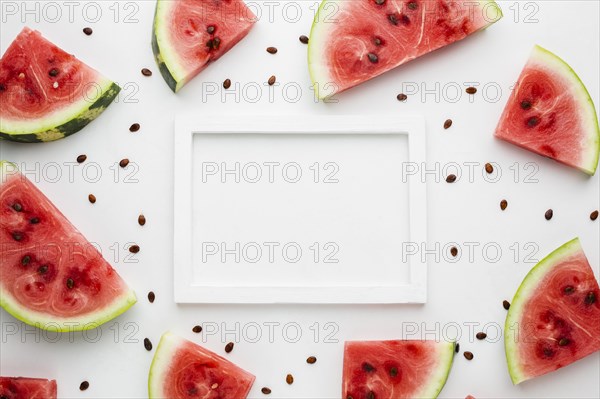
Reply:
x=551, y=113
x=395, y=369
x=50, y=275
x=354, y=41
x=182, y=369
x=554, y=319
x=27, y=388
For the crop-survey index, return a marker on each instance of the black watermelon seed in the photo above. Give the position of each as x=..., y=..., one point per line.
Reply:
x=447, y=123
x=451, y=179
x=34, y=220
x=368, y=367
x=371, y=395
x=394, y=372
x=2, y=87
x=590, y=298
x=393, y=18
x=141, y=220
x=43, y=269
x=151, y=296
x=468, y=355
x=454, y=251
x=271, y=80
x=533, y=121
x=413, y=5
x=17, y=207
x=134, y=249
x=227, y=83
x=214, y=44
x=549, y=213
x=88, y=31
x=594, y=215
x=377, y=41
x=471, y=90
x=210, y=29
x=26, y=259
x=563, y=342
x=147, y=344
x=506, y=304
x=146, y=72
x=373, y=58
x=81, y=158
x=457, y=347
x=525, y=104
x=53, y=72
x=266, y=390
x=289, y=379
x=489, y=168
x=124, y=162
x=229, y=347
x=379, y=2
x=197, y=329
x=134, y=128
x=503, y=204
x=401, y=97
x=303, y=39
x=84, y=385
x=272, y=50
x=17, y=236
x=311, y=360
x=92, y=198
x=569, y=289
x=481, y=336
x=70, y=283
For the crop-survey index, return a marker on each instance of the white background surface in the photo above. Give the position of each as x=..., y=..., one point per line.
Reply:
x=464, y=291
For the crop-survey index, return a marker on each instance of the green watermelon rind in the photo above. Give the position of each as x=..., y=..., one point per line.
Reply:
x=58, y=324
x=68, y=122
x=320, y=78
x=526, y=290
x=438, y=380
x=164, y=55
x=165, y=347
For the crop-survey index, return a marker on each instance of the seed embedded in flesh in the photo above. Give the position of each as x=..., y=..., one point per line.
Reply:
x=43, y=269
x=379, y=2
x=569, y=289
x=266, y=390
x=373, y=58
x=503, y=204
x=229, y=347
x=26, y=259
x=17, y=207
x=271, y=50
x=146, y=72
x=471, y=90
x=81, y=158
x=525, y=104
x=468, y=355
x=227, y=83
x=84, y=385
x=17, y=236
x=271, y=80
x=210, y=29
x=590, y=298
x=447, y=123
x=2, y=87
x=533, y=121
x=92, y=198
x=481, y=336
x=377, y=41
x=451, y=179
x=134, y=128
x=197, y=329
x=401, y=97
x=134, y=249
x=303, y=39
x=549, y=213
x=147, y=344
x=489, y=168
x=371, y=395
x=563, y=342
x=88, y=31
x=311, y=360
x=289, y=379
x=368, y=367
x=141, y=220
x=506, y=304
x=413, y=5
x=393, y=18
x=213, y=44
x=151, y=297
x=53, y=72
x=34, y=220
x=124, y=162
x=594, y=215
x=70, y=283
x=393, y=372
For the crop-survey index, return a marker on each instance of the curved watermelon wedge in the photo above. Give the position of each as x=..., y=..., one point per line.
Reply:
x=550, y=112
x=27, y=388
x=396, y=369
x=354, y=41
x=46, y=93
x=182, y=369
x=50, y=276
x=554, y=318
x=189, y=34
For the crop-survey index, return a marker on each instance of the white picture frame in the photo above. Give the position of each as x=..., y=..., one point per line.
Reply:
x=187, y=290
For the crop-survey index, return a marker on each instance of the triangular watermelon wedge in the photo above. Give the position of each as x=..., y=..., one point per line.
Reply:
x=190, y=34
x=554, y=318
x=550, y=112
x=354, y=41
x=183, y=369
x=27, y=388
x=50, y=276
x=396, y=369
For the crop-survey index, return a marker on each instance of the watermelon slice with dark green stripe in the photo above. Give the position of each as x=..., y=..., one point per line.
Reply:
x=47, y=94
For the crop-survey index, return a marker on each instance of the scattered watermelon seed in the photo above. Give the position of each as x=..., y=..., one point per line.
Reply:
x=303, y=39
x=88, y=31
x=124, y=162
x=590, y=299
x=368, y=367
x=451, y=179
x=227, y=84
x=146, y=72
x=70, y=283
x=34, y=220
x=481, y=336
x=594, y=215
x=141, y=220
x=311, y=360
x=43, y=269
x=17, y=207
x=289, y=379
x=134, y=249
x=503, y=204
x=17, y=236
x=454, y=251
x=229, y=347
x=457, y=347
x=447, y=123
x=151, y=296
x=549, y=213
x=210, y=29
x=271, y=80
x=92, y=198
x=134, y=128
x=373, y=58
x=468, y=355
x=147, y=344
x=489, y=168
x=471, y=90
x=53, y=72
x=266, y=390
x=533, y=121
x=271, y=50
x=26, y=259
x=563, y=342
x=401, y=97
x=81, y=158
x=394, y=372
x=197, y=329
x=525, y=104
x=84, y=385
x=506, y=304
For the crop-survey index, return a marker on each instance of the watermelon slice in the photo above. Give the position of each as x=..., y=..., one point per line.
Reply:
x=27, y=388
x=189, y=34
x=354, y=41
x=395, y=369
x=46, y=93
x=550, y=112
x=554, y=318
x=182, y=369
x=50, y=276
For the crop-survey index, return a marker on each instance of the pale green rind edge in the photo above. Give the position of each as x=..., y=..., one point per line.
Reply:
x=154, y=380
x=164, y=56
x=315, y=28
x=529, y=284
x=38, y=320
x=584, y=98
x=438, y=380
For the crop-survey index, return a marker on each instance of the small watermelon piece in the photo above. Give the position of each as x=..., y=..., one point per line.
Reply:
x=189, y=34
x=27, y=388
x=554, y=318
x=182, y=369
x=395, y=369
x=46, y=93
x=50, y=276
x=354, y=41
x=550, y=112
